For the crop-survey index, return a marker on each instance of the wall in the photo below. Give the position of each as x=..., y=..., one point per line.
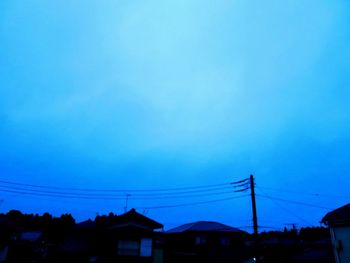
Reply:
x=341, y=243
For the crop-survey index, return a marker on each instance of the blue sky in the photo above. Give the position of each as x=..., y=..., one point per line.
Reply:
x=159, y=94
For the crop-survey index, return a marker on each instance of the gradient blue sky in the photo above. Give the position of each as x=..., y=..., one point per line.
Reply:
x=154, y=94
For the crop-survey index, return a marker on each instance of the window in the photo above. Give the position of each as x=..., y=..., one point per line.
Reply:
x=146, y=247
x=225, y=242
x=128, y=247
x=201, y=240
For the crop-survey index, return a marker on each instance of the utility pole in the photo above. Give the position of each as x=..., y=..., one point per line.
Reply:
x=245, y=183
x=252, y=193
x=255, y=219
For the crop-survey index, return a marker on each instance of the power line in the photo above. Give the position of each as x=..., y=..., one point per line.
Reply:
x=203, y=187
x=109, y=197
x=303, y=193
x=146, y=194
x=286, y=209
x=182, y=196
x=244, y=181
x=269, y=227
x=217, y=190
x=193, y=204
x=186, y=192
x=61, y=196
x=294, y=202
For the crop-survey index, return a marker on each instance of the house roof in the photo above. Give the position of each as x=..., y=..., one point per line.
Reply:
x=340, y=215
x=133, y=217
x=204, y=226
x=87, y=224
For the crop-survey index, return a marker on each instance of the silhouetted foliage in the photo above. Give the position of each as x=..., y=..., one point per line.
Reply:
x=106, y=221
x=62, y=240
x=314, y=233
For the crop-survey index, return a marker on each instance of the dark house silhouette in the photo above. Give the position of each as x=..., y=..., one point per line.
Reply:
x=205, y=241
x=130, y=237
x=134, y=236
x=338, y=222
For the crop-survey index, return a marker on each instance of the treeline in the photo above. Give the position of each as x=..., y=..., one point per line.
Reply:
x=57, y=226
x=38, y=222
x=305, y=233
x=52, y=228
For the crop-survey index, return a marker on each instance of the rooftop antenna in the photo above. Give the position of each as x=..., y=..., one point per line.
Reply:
x=126, y=202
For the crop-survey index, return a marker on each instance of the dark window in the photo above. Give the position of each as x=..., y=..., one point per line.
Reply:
x=128, y=247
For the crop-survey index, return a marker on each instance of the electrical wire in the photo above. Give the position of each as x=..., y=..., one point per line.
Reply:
x=155, y=195
x=203, y=187
x=294, y=202
x=60, y=196
x=94, y=197
x=193, y=204
x=284, y=208
x=59, y=192
x=303, y=193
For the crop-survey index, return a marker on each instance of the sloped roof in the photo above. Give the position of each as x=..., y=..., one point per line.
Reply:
x=340, y=215
x=204, y=226
x=87, y=224
x=134, y=217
